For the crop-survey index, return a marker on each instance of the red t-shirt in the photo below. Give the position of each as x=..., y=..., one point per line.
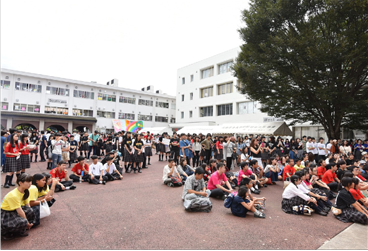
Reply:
x=288, y=169
x=321, y=171
x=329, y=177
x=216, y=179
x=356, y=194
x=246, y=173
x=9, y=149
x=56, y=174
x=219, y=145
x=78, y=168
x=25, y=151
x=361, y=177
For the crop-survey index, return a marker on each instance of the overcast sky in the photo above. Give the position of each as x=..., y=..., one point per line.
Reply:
x=140, y=43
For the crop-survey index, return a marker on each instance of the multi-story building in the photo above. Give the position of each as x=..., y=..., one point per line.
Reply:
x=207, y=94
x=62, y=104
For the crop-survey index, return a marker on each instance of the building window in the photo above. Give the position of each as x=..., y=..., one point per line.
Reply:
x=191, y=96
x=225, y=88
x=190, y=114
x=206, y=111
x=56, y=110
x=27, y=87
x=183, y=81
x=26, y=108
x=248, y=107
x=129, y=116
x=82, y=112
x=4, y=106
x=108, y=115
x=144, y=117
x=57, y=91
x=5, y=84
x=107, y=97
x=206, y=73
x=207, y=92
x=145, y=102
x=224, y=109
x=172, y=120
x=161, y=119
x=173, y=106
x=162, y=104
x=83, y=94
x=182, y=97
x=182, y=115
x=128, y=100
x=226, y=67
x=191, y=78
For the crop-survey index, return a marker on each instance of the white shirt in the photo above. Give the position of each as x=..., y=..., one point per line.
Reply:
x=112, y=168
x=76, y=137
x=243, y=157
x=167, y=170
x=120, y=139
x=321, y=152
x=308, y=146
x=328, y=147
x=315, y=150
x=143, y=148
x=197, y=146
x=291, y=191
x=56, y=146
x=96, y=169
x=345, y=149
x=268, y=168
x=303, y=187
x=247, y=142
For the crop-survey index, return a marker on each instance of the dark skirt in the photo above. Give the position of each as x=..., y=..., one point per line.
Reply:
x=288, y=204
x=35, y=151
x=219, y=156
x=265, y=155
x=138, y=157
x=24, y=160
x=160, y=147
x=203, y=153
x=84, y=147
x=12, y=223
x=127, y=156
x=12, y=165
x=148, y=151
x=352, y=215
x=73, y=156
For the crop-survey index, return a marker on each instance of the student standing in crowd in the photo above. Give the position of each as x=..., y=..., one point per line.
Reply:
x=184, y=147
x=138, y=155
x=161, y=147
x=43, y=146
x=148, y=148
x=175, y=148
x=83, y=145
x=12, y=161
x=93, y=137
x=256, y=151
x=16, y=214
x=34, y=141
x=65, y=147
x=73, y=150
x=207, y=144
x=56, y=146
x=128, y=149
x=219, y=149
x=196, y=151
x=24, y=157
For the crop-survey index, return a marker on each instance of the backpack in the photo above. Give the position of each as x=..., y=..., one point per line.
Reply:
x=229, y=200
x=175, y=181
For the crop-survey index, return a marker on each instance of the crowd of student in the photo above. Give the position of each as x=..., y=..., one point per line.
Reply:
x=308, y=188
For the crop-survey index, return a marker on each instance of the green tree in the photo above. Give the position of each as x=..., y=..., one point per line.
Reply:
x=307, y=60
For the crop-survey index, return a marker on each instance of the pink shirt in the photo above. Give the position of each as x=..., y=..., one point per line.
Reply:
x=216, y=179
x=241, y=173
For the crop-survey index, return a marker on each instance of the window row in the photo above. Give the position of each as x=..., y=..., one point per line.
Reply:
x=129, y=116
x=107, y=97
x=28, y=87
x=5, y=84
x=145, y=102
x=57, y=91
x=161, y=119
x=128, y=100
x=162, y=104
x=26, y=108
x=84, y=94
x=108, y=115
x=82, y=112
x=56, y=110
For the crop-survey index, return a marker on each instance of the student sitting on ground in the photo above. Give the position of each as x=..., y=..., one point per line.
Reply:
x=207, y=172
x=350, y=209
x=298, y=165
x=96, y=171
x=289, y=169
x=241, y=204
x=80, y=171
x=230, y=176
x=109, y=170
x=253, y=166
x=330, y=177
x=271, y=171
x=213, y=165
x=48, y=191
x=184, y=169
x=195, y=195
x=294, y=197
x=318, y=184
x=322, y=168
x=218, y=181
x=16, y=214
x=60, y=173
x=324, y=205
x=245, y=172
x=115, y=159
x=171, y=176
x=357, y=194
x=249, y=183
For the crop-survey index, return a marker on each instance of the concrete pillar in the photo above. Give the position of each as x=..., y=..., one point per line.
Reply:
x=70, y=126
x=42, y=125
x=9, y=123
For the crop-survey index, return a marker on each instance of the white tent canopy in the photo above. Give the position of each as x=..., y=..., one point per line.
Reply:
x=196, y=129
x=270, y=128
x=157, y=130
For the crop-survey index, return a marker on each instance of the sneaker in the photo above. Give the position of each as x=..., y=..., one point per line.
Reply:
x=256, y=191
x=24, y=234
x=87, y=159
x=264, y=185
x=139, y=171
x=6, y=186
x=258, y=207
x=12, y=184
x=260, y=215
x=170, y=184
x=72, y=187
x=104, y=182
x=322, y=213
x=135, y=171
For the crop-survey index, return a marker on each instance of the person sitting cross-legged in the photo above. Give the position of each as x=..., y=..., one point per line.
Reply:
x=242, y=204
x=217, y=182
x=60, y=173
x=96, y=170
x=110, y=170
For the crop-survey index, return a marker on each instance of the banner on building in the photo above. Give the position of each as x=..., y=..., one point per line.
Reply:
x=127, y=125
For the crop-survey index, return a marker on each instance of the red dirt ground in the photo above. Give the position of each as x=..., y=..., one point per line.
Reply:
x=140, y=212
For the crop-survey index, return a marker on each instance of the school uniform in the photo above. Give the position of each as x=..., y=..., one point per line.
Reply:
x=95, y=170
x=127, y=156
x=111, y=174
x=33, y=140
x=237, y=208
x=138, y=157
x=109, y=145
x=148, y=149
x=11, y=222
x=83, y=143
x=24, y=157
x=344, y=201
x=12, y=163
x=292, y=196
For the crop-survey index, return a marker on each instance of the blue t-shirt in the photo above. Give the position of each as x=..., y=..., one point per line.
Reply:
x=43, y=140
x=237, y=208
x=3, y=140
x=184, y=143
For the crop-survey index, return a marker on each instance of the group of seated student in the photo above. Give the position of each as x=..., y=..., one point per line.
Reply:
x=246, y=171
x=184, y=169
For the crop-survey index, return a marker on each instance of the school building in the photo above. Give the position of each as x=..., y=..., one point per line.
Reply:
x=40, y=102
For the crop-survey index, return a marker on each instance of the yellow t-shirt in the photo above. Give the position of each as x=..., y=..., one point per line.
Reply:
x=13, y=200
x=43, y=192
x=297, y=168
x=33, y=193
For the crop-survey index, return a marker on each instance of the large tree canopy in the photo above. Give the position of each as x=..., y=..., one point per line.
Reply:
x=307, y=60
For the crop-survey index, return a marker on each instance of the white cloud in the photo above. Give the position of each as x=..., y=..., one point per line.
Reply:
x=138, y=42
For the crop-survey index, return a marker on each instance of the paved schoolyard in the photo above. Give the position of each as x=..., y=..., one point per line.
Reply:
x=139, y=212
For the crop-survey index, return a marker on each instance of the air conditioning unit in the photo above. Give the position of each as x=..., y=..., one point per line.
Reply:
x=99, y=90
x=113, y=93
x=113, y=110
